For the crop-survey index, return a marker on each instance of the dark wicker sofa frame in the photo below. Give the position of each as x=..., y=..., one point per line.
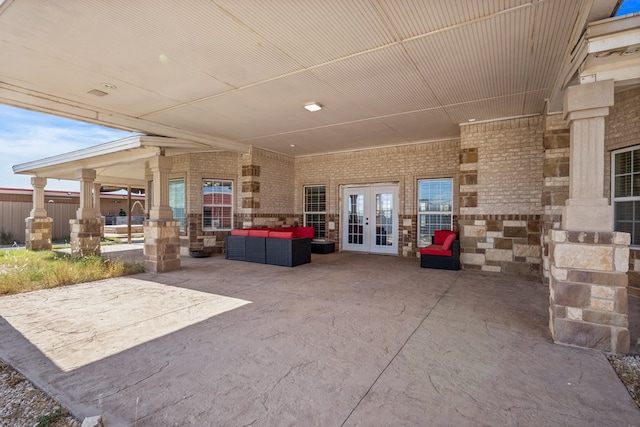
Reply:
x=288, y=252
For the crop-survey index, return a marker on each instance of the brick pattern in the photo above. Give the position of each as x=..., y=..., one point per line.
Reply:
x=588, y=289
x=200, y=241
x=85, y=236
x=250, y=187
x=266, y=220
x=556, y=142
x=38, y=233
x=273, y=189
x=622, y=128
x=501, y=243
x=510, y=158
x=401, y=165
x=501, y=187
x=408, y=229
x=468, y=178
x=193, y=168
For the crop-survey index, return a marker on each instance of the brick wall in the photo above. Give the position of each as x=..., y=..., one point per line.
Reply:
x=556, y=143
x=402, y=165
x=622, y=129
x=501, y=189
x=267, y=189
x=193, y=168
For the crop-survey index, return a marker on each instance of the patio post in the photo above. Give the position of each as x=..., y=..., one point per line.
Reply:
x=161, y=232
x=96, y=205
x=86, y=229
x=588, y=260
x=39, y=230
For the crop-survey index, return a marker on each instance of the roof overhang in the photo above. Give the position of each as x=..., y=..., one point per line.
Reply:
x=117, y=163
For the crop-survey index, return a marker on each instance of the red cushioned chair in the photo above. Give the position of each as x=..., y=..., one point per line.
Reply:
x=444, y=253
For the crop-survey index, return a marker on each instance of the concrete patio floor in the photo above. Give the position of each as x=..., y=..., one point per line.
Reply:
x=350, y=339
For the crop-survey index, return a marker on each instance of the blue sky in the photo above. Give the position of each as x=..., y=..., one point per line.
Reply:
x=629, y=6
x=26, y=136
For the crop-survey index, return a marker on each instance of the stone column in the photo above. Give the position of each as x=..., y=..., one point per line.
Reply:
x=96, y=205
x=588, y=261
x=86, y=230
x=161, y=232
x=39, y=230
x=585, y=108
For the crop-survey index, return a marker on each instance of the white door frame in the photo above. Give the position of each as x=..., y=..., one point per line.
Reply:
x=362, y=229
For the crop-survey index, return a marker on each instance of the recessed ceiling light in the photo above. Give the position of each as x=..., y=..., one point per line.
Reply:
x=472, y=120
x=109, y=85
x=292, y=145
x=97, y=92
x=313, y=106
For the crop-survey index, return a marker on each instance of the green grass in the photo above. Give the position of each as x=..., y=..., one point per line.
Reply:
x=23, y=271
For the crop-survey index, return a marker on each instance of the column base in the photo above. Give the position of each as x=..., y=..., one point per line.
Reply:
x=592, y=217
x=161, y=245
x=38, y=233
x=588, y=289
x=85, y=236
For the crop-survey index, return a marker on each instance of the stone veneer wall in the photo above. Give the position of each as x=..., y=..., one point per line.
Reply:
x=556, y=141
x=401, y=165
x=501, y=243
x=588, y=289
x=622, y=129
x=501, y=188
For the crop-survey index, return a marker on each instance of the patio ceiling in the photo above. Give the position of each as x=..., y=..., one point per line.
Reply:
x=232, y=74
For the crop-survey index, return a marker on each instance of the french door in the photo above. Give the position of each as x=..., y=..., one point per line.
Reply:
x=369, y=219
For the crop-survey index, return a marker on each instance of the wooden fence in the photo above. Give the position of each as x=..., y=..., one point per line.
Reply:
x=13, y=214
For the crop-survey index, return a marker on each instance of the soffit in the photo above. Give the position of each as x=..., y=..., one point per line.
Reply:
x=236, y=73
x=117, y=163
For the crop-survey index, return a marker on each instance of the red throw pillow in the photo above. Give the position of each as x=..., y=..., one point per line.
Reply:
x=281, y=234
x=448, y=241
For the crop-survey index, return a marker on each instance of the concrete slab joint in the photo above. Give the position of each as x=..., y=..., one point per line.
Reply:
x=588, y=289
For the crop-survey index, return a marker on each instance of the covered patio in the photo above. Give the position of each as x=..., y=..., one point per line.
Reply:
x=513, y=122
x=349, y=339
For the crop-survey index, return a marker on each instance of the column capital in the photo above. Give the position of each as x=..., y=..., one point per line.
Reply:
x=37, y=181
x=38, y=184
x=588, y=100
x=86, y=177
x=161, y=163
x=86, y=174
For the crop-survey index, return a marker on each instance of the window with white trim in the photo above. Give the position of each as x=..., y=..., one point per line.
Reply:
x=217, y=204
x=315, y=209
x=176, y=200
x=435, y=208
x=625, y=192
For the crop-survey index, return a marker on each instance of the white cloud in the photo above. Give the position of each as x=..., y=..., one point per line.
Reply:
x=27, y=136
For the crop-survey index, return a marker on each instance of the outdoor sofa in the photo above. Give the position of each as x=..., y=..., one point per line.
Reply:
x=444, y=253
x=286, y=246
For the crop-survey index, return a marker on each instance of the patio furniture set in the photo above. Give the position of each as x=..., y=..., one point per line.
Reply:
x=292, y=246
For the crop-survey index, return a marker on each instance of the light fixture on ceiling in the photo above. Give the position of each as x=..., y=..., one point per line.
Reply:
x=313, y=106
x=292, y=145
x=109, y=86
x=472, y=120
x=96, y=92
